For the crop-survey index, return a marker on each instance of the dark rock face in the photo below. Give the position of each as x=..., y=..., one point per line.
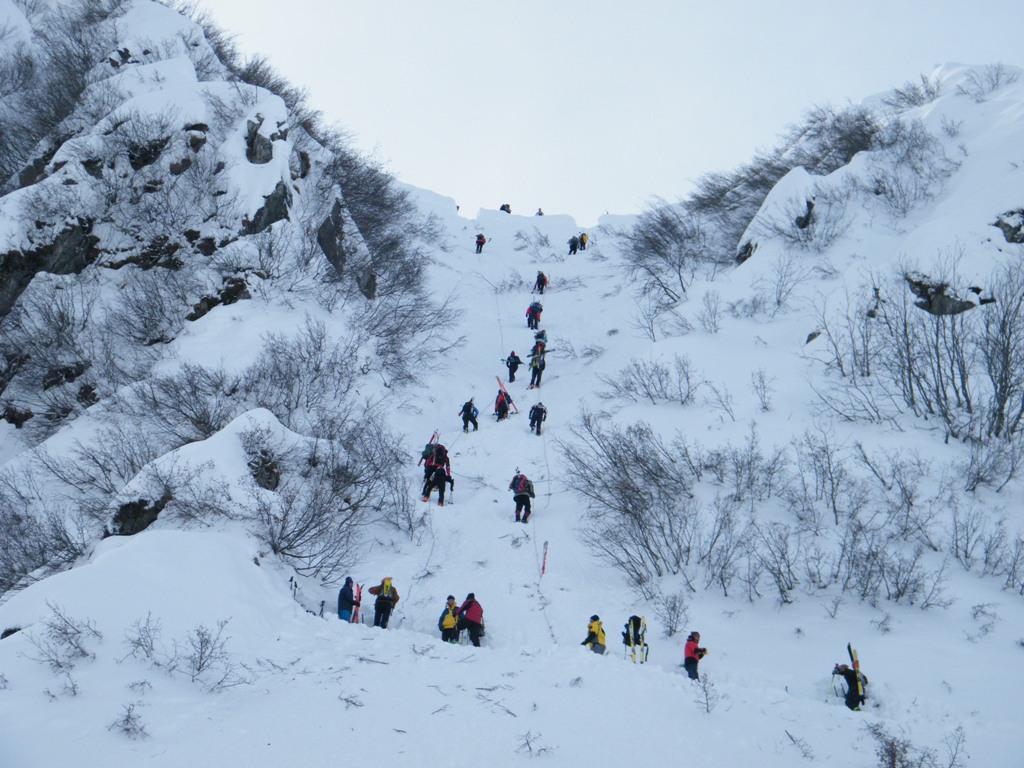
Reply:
x=137, y=516
x=16, y=416
x=72, y=251
x=141, y=155
x=331, y=238
x=234, y=289
x=1012, y=225
x=275, y=208
x=933, y=297
x=65, y=374
x=258, y=148
x=265, y=471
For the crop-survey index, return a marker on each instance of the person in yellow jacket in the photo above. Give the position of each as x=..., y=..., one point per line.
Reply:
x=448, y=622
x=595, y=635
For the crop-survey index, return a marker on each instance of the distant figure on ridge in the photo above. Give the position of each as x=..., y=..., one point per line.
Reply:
x=539, y=212
x=506, y=208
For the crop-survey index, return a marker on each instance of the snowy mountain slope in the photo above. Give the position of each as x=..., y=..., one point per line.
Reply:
x=295, y=688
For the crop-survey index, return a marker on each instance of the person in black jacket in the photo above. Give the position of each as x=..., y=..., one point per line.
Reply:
x=346, y=601
x=854, y=698
x=437, y=480
x=538, y=415
x=469, y=413
x=512, y=362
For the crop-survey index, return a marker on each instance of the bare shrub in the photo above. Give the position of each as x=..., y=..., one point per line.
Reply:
x=65, y=640
x=710, y=315
x=761, y=385
x=203, y=656
x=641, y=517
x=979, y=84
x=812, y=224
x=909, y=168
x=705, y=694
x=665, y=249
x=672, y=612
x=129, y=723
x=913, y=93
x=656, y=382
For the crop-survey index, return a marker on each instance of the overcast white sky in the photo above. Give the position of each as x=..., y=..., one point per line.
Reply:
x=588, y=106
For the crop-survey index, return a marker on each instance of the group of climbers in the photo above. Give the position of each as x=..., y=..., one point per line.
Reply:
x=578, y=243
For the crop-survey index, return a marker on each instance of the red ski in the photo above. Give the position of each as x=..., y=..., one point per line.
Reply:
x=501, y=386
x=358, y=595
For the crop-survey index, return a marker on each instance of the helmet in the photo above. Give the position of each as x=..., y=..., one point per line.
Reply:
x=595, y=617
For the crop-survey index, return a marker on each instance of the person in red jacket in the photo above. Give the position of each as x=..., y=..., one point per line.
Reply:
x=471, y=617
x=480, y=241
x=692, y=654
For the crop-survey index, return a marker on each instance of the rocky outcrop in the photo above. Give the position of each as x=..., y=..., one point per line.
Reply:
x=934, y=297
x=71, y=252
x=137, y=516
x=331, y=238
x=1012, y=225
x=275, y=208
x=258, y=148
x=234, y=289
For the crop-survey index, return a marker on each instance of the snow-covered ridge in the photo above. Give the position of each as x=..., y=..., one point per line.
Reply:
x=287, y=685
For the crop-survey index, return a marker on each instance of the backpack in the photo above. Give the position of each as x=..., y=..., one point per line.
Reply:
x=440, y=454
x=428, y=451
x=522, y=485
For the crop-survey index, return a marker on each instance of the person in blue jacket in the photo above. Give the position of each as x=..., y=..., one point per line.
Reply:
x=346, y=601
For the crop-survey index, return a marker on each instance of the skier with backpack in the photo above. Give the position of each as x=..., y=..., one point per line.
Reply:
x=595, y=638
x=856, y=682
x=501, y=404
x=584, y=238
x=541, y=283
x=438, y=479
x=469, y=413
x=435, y=455
x=634, y=638
x=537, y=366
x=471, y=617
x=522, y=492
x=347, y=600
x=512, y=362
x=448, y=621
x=692, y=654
x=533, y=315
x=574, y=244
x=480, y=241
x=387, y=598
x=538, y=415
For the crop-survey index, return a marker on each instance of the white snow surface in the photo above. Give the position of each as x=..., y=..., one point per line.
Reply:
x=308, y=690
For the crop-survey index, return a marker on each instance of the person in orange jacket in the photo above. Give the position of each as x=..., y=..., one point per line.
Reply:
x=692, y=654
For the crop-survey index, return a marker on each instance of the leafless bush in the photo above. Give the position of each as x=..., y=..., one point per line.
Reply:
x=203, y=656
x=710, y=315
x=705, y=694
x=530, y=744
x=951, y=127
x=913, y=94
x=979, y=84
x=909, y=168
x=665, y=250
x=722, y=546
x=297, y=377
x=64, y=640
x=720, y=399
x=810, y=225
x=761, y=385
x=641, y=518
x=777, y=549
x=186, y=406
x=538, y=245
x=143, y=640
x=129, y=723
x=656, y=382
x=672, y=612
x=899, y=477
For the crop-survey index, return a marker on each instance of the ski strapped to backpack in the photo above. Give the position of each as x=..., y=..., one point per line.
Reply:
x=428, y=449
x=358, y=594
x=634, y=638
x=501, y=386
x=855, y=660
